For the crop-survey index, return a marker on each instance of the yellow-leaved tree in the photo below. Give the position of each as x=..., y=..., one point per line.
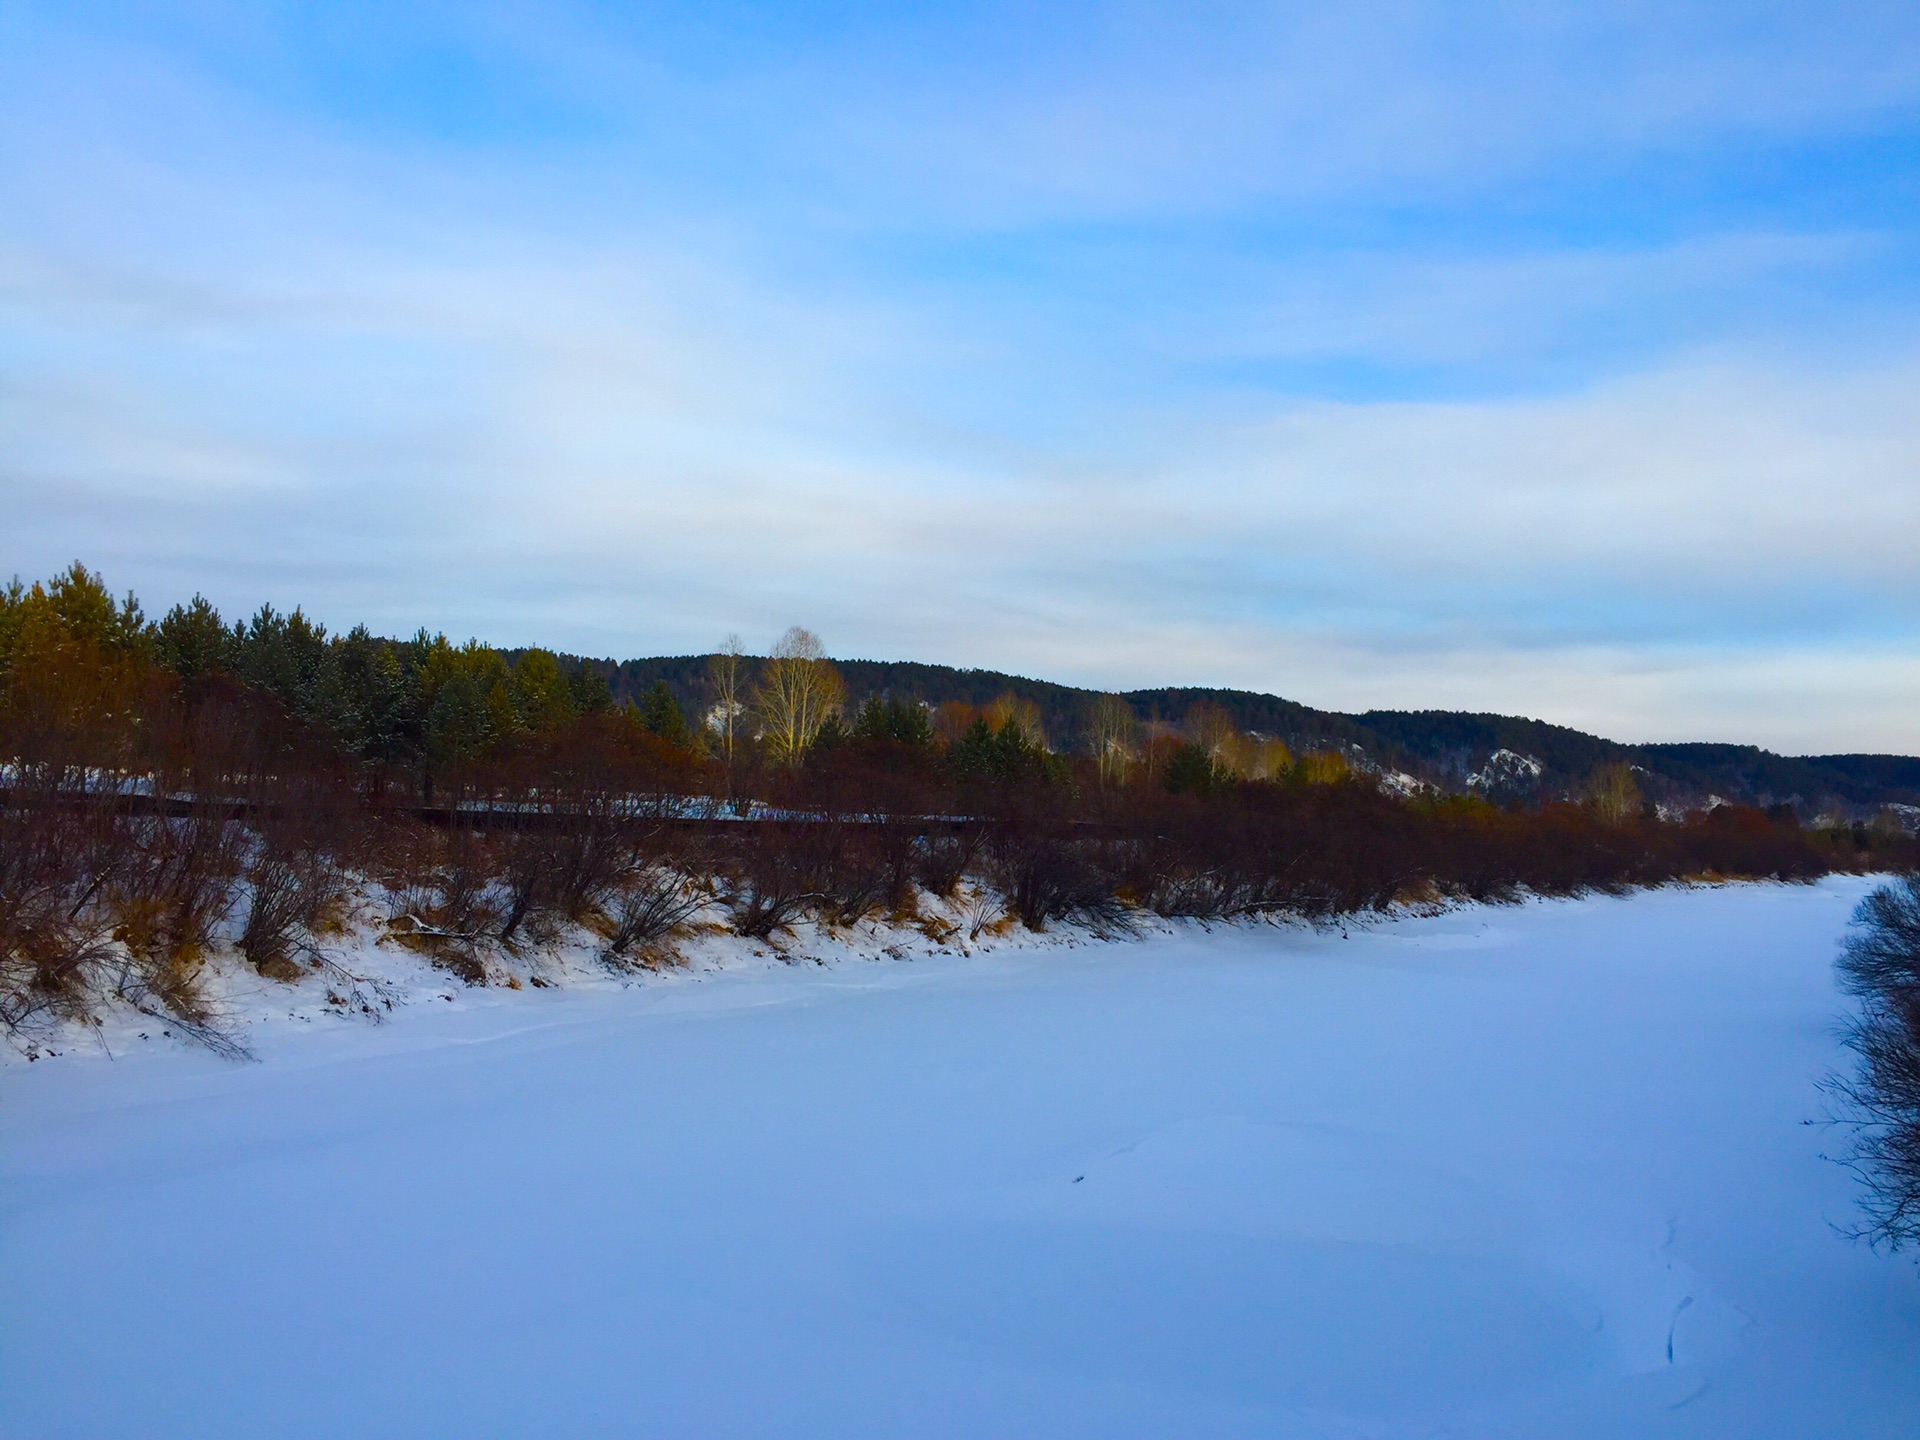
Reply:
x=799, y=689
x=1613, y=794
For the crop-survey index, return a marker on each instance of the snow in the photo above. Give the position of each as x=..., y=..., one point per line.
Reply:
x=1525, y=1171
x=1398, y=782
x=1506, y=768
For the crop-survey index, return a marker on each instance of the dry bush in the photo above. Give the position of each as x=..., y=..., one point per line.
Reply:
x=775, y=875
x=296, y=889
x=778, y=872
x=177, y=882
x=1880, y=1102
x=650, y=907
x=120, y=850
x=1044, y=875
x=438, y=884
x=944, y=856
x=847, y=845
x=53, y=938
x=305, y=823
x=587, y=806
x=404, y=861
x=289, y=896
x=1223, y=855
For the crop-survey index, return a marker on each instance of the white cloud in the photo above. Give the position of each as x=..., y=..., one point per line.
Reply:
x=255, y=353
x=1699, y=550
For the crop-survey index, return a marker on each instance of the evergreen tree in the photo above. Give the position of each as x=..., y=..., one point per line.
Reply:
x=459, y=725
x=1192, y=770
x=288, y=656
x=542, y=694
x=379, y=723
x=1006, y=755
x=893, y=719
x=832, y=732
x=591, y=693
x=193, y=640
x=662, y=715
x=82, y=604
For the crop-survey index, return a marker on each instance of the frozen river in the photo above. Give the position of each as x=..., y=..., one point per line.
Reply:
x=1531, y=1171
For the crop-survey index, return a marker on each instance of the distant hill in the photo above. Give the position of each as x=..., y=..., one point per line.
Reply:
x=1450, y=749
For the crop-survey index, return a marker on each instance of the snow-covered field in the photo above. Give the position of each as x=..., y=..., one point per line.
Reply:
x=1532, y=1171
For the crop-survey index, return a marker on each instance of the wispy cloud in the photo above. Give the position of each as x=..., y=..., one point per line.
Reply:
x=1557, y=361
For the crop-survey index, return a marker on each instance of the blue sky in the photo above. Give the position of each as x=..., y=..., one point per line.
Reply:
x=1551, y=360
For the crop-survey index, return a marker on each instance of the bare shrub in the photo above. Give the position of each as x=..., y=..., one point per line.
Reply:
x=1196, y=894
x=168, y=992
x=584, y=807
x=773, y=877
x=1880, y=1102
x=858, y=871
x=295, y=881
x=283, y=893
x=176, y=885
x=840, y=848
x=942, y=858
x=529, y=878
x=438, y=901
x=1045, y=876
x=649, y=908
x=53, y=859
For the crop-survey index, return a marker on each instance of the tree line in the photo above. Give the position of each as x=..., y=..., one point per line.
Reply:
x=170, y=788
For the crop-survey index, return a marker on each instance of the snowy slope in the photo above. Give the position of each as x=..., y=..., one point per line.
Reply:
x=1536, y=1171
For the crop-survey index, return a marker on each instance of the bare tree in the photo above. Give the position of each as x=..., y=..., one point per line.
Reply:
x=1880, y=1102
x=1270, y=759
x=1111, y=732
x=799, y=689
x=1212, y=729
x=726, y=671
x=1323, y=767
x=1022, y=715
x=1613, y=794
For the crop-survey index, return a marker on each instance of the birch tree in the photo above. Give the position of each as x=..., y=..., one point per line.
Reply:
x=1212, y=729
x=726, y=672
x=799, y=689
x=1111, y=730
x=1613, y=794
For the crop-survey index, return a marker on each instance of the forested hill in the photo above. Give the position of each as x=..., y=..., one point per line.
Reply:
x=1450, y=748
x=425, y=702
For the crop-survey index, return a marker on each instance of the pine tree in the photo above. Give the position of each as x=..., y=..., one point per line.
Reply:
x=542, y=694
x=661, y=714
x=893, y=719
x=591, y=693
x=1192, y=770
x=193, y=639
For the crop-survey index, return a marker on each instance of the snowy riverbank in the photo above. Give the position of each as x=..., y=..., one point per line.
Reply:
x=1525, y=1171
